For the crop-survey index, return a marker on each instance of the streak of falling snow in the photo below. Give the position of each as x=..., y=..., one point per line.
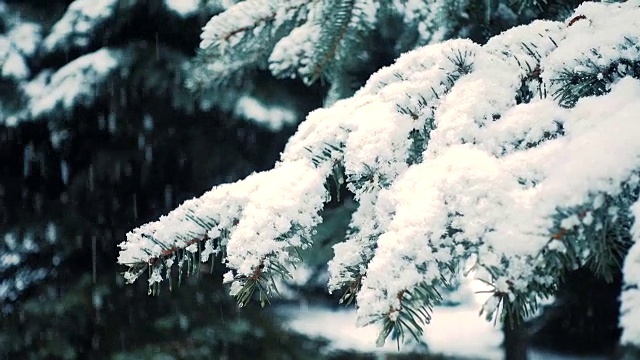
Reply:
x=91, y=174
x=97, y=301
x=168, y=194
x=51, y=233
x=95, y=342
x=123, y=98
x=112, y=122
x=64, y=172
x=93, y=256
x=117, y=173
x=28, y=155
x=148, y=154
x=135, y=207
x=147, y=122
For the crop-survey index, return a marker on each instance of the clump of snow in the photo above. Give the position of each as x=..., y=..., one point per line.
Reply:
x=268, y=216
x=13, y=64
x=26, y=37
x=16, y=47
x=292, y=55
x=243, y=36
x=273, y=117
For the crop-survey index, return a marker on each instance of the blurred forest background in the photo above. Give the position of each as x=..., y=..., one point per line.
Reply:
x=100, y=132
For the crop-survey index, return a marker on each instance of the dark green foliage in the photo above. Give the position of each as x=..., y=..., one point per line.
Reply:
x=73, y=183
x=585, y=312
x=412, y=316
x=594, y=80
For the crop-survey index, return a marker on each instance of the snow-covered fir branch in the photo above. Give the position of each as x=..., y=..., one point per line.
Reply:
x=519, y=157
x=309, y=39
x=255, y=26
x=333, y=40
x=77, y=27
x=73, y=84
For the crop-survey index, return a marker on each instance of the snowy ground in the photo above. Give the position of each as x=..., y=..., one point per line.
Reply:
x=455, y=331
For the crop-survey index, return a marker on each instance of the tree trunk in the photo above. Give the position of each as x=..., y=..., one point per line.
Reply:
x=627, y=353
x=515, y=341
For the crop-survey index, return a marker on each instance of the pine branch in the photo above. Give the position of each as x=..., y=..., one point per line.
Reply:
x=338, y=29
x=215, y=223
x=93, y=77
x=243, y=36
x=76, y=83
x=421, y=23
x=594, y=79
x=338, y=17
x=507, y=180
x=83, y=20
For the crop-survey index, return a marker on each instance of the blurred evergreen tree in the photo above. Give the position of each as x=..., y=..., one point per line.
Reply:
x=98, y=134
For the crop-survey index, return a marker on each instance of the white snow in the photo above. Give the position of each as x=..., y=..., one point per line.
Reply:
x=26, y=37
x=268, y=216
x=597, y=39
x=184, y=8
x=77, y=25
x=73, y=83
x=19, y=43
x=221, y=30
x=454, y=331
x=273, y=117
x=292, y=55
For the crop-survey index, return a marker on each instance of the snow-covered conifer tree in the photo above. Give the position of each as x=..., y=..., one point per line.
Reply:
x=517, y=159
